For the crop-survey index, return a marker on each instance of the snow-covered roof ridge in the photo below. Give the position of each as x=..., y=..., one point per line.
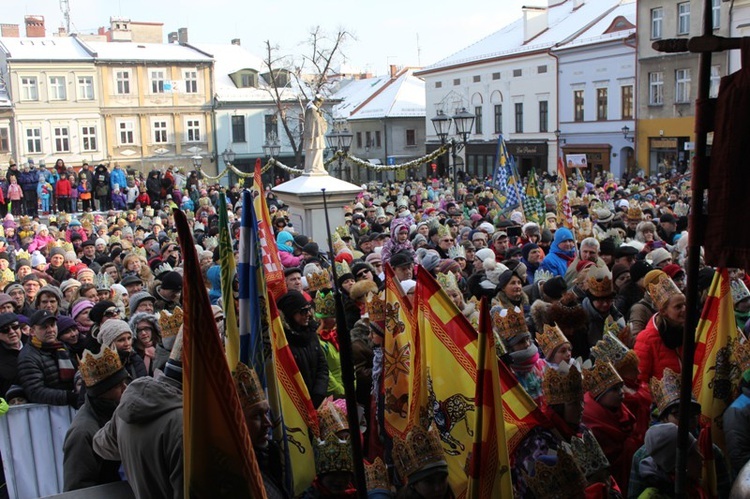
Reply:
x=155, y=52
x=401, y=97
x=51, y=49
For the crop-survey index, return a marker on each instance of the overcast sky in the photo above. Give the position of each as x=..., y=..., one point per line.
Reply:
x=387, y=31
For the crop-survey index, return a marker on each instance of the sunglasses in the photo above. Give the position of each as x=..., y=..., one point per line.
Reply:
x=362, y=273
x=9, y=328
x=111, y=312
x=447, y=240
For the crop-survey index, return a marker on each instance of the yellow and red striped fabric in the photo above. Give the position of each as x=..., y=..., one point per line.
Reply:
x=272, y=268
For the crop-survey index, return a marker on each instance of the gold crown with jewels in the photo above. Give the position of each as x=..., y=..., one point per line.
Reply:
x=333, y=455
x=332, y=417
x=562, y=479
x=170, y=323
x=376, y=475
x=563, y=384
x=599, y=377
x=447, y=281
x=665, y=392
x=661, y=288
x=320, y=279
x=508, y=322
x=375, y=305
x=420, y=448
x=325, y=305
x=248, y=386
x=611, y=349
x=96, y=368
x=550, y=339
x=588, y=454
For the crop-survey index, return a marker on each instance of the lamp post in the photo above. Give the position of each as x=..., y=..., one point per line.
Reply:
x=340, y=141
x=463, y=122
x=625, y=132
x=197, y=160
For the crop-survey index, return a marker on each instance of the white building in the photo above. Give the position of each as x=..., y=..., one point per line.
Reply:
x=596, y=97
x=509, y=80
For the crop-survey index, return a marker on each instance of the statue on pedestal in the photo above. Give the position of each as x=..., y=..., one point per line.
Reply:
x=315, y=140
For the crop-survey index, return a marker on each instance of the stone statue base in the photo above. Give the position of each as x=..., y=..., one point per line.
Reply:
x=304, y=197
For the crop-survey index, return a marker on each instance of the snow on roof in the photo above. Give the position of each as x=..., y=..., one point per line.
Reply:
x=564, y=21
x=49, y=49
x=596, y=33
x=228, y=59
x=403, y=97
x=132, y=51
x=354, y=93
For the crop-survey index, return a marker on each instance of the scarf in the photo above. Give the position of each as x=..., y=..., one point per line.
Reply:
x=65, y=368
x=524, y=360
x=568, y=256
x=148, y=352
x=670, y=335
x=329, y=336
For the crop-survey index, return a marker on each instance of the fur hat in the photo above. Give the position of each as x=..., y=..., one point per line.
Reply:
x=568, y=313
x=360, y=289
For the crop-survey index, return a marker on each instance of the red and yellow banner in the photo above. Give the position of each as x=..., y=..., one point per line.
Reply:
x=272, y=267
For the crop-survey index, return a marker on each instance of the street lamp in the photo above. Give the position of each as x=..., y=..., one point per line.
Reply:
x=340, y=140
x=228, y=156
x=625, y=131
x=197, y=160
x=271, y=148
x=463, y=122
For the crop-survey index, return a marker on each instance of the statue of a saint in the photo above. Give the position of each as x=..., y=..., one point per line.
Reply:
x=315, y=136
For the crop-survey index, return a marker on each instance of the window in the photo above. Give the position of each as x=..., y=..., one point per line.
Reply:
x=601, y=104
x=127, y=134
x=496, y=76
x=683, y=18
x=541, y=69
x=411, y=137
x=61, y=136
x=159, y=128
x=88, y=138
x=29, y=88
x=517, y=73
x=713, y=89
x=498, y=118
x=682, y=85
x=577, y=105
x=157, y=81
x=476, y=78
x=238, y=129
x=271, y=126
x=456, y=82
x=4, y=140
x=543, y=116
x=377, y=138
x=626, y=102
x=657, y=23
x=716, y=13
x=368, y=139
x=33, y=140
x=438, y=84
x=191, y=81
x=57, y=88
x=193, y=129
x=359, y=140
x=478, y=120
x=122, y=80
x=247, y=80
x=656, y=88
x=519, y=117
x=85, y=88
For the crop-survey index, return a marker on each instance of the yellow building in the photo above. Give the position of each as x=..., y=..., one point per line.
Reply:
x=156, y=103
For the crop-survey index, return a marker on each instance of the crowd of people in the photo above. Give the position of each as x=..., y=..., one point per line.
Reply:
x=588, y=317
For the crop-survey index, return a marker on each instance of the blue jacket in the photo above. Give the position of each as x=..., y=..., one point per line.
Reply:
x=29, y=180
x=117, y=176
x=555, y=262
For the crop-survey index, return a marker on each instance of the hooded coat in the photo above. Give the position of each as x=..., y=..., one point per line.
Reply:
x=145, y=433
x=558, y=260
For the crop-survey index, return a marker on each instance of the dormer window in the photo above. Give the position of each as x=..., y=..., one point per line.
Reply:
x=245, y=78
x=281, y=78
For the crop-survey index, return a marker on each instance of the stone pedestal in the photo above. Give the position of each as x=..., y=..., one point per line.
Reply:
x=304, y=197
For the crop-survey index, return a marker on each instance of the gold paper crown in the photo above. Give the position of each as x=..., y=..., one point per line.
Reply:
x=103, y=282
x=599, y=282
x=508, y=322
x=325, y=304
x=447, y=281
x=96, y=368
x=23, y=255
x=661, y=288
x=333, y=454
x=420, y=448
x=338, y=244
x=563, y=384
x=375, y=304
x=376, y=475
x=343, y=231
x=170, y=323
x=550, y=339
x=588, y=454
x=342, y=268
x=666, y=391
x=742, y=354
x=443, y=231
x=561, y=480
x=599, y=377
x=320, y=279
x=611, y=349
x=635, y=213
x=332, y=417
x=457, y=252
x=248, y=386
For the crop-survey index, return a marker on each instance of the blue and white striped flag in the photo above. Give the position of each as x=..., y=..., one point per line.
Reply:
x=251, y=330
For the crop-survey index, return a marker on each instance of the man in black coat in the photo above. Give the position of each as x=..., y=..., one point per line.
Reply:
x=10, y=347
x=301, y=333
x=102, y=187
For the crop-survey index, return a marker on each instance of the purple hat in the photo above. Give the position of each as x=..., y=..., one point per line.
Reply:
x=65, y=323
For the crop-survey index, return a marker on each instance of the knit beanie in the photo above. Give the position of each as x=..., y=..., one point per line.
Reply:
x=505, y=278
x=52, y=290
x=528, y=248
x=555, y=288
x=484, y=253
x=639, y=270
x=292, y=301
x=37, y=259
x=57, y=251
x=97, y=311
x=430, y=260
x=79, y=307
x=418, y=240
x=111, y=330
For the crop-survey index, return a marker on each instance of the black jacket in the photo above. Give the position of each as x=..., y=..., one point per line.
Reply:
x=8, y=368
x=310, y=360
x=40, y=378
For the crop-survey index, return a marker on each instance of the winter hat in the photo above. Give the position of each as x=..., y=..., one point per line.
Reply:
x=373, y=257
x=40, y=228
x=151, y=318
x=658, y=256
x=408, y=284
x=430, y=260
x=555, y=288
x=100, y=241
x=12, y=286
x=97, y=311
x=172, y=281
x=505, y=278
x=79, y=307
x=401, y=258
x=292, y=301
x=37, y=259
x=639, y=270
x=661, y=445
x=494, y=270
x=51, y=290
x=418, y=240
x=618, y=269
x=6, y=298
x=111, y=330
x=138, y=298
x=528, y=248
x=672, y=270
x=56, y=251
x=65, y=323
x=67, y=284
x=484, y=253
x=84, y=271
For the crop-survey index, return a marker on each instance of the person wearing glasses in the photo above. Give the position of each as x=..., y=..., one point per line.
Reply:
x=45, y=365
x=301, y=333
x=116, y=334
x=11, y=342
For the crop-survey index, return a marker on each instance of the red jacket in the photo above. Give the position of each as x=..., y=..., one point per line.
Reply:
x=653, y=355
x=62, y=188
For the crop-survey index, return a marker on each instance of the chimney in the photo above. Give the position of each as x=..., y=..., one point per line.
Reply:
x=182, y=35
x=34, y=26
x=393, y=69
x=535, y=21
x=10, y=30
x=172, y=37
x=236, y=41
x=102, y=31
x=61, y=31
